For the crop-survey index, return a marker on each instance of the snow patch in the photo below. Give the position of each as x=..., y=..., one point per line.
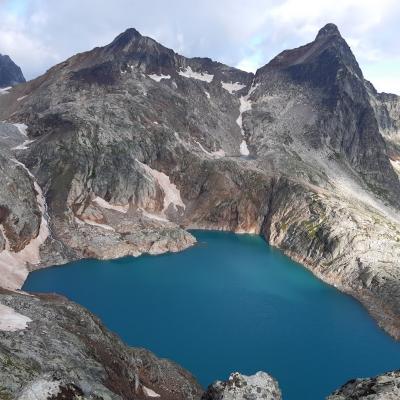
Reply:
x=131, y=67
x=158, y=78
x=22, y=97
x=207, y=94
x=23, y=146
x=105, y=204
x=93, y=223
x=22, y=128
x=172, y=195
x=149, y=393
x=13, y=266
x=244, y=150
x=216, y=154
x=153, y=216
x=253, y=88
x=245, y=105
x=232, y=87
x=5, y=90
x=396, y=166
x=79, y=221
x=201, y=76
x=12, y=321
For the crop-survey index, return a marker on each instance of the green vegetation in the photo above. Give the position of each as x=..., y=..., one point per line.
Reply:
x=312, y=227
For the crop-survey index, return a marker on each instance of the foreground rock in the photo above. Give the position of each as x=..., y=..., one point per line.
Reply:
x=382, y=387
x=241, y=387
x=53, y=348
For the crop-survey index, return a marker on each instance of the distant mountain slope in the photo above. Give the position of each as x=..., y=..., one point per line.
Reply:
x=10, y=73
x=387, y=111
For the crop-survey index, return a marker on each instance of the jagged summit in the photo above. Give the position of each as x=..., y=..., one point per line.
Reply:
x=129, y=33
x=125, y=38
x=328, y=30
x=132, y=53
x=319, y=60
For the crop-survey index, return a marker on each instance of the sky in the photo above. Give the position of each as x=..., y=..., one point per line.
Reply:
x=246, y=34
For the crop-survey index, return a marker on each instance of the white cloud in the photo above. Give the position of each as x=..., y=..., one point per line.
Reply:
x=248, y=64
x=386, y=84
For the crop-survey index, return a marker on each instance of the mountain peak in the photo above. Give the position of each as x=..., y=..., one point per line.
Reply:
x=125, y=38
x=130, y=33
x=329, y=30
x=10, y=73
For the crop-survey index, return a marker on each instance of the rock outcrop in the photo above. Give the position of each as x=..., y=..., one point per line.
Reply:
x=382, y=387
x=52, y=348
x=10, y=73
x=241, y=387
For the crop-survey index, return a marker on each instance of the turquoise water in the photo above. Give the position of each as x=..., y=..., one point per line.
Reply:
x=231, y=303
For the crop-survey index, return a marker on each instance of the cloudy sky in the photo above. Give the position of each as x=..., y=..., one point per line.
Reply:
x=246, y=34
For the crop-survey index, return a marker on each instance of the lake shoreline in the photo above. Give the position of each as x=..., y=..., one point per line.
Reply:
x=261, y=248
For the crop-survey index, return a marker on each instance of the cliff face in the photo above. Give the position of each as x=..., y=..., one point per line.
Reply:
x=387, y=112
x=10, y=73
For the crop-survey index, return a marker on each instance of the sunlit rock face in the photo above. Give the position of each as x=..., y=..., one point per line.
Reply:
x=259, y=386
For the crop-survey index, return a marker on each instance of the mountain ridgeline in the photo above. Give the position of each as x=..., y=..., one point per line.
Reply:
x=120, y=150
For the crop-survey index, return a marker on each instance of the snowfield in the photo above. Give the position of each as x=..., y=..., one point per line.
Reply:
x=201, y=76
x=11, y=321
x=105, y=204
x=172, y=195
x=158, y=78
x=232, y=87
